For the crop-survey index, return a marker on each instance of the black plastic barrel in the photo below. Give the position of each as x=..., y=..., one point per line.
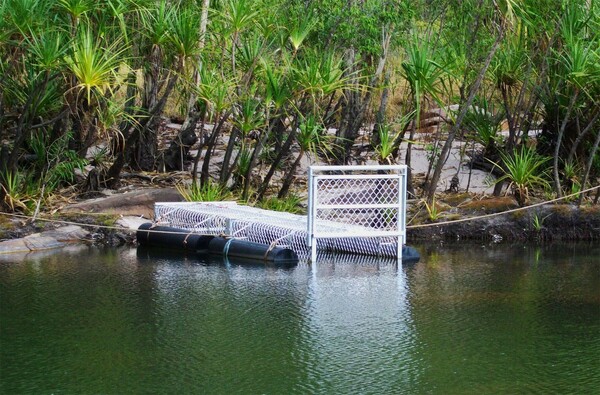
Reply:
x=164, y=236
x=235, y=248
x=183, y=240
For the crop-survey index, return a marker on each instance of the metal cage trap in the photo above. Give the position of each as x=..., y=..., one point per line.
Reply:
x=351, y=209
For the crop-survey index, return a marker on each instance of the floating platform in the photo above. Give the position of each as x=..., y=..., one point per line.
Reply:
x=357, y=210
x=273, y=228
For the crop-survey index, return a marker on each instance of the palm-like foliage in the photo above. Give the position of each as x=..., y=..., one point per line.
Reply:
x=76, y=9
x=48, y=49
x=25, y=15
x=312, y=138
x=280, y=73
x=157, y=22
x=422, y=73
x=94, y=65
x=524, y=169
x=579, y=62
x=319, y=75
x=579, y=67
x=184, y=34
x=13, y=197
x=300, y=31
x=389, y=140
x=207, y=192
x=485, y=124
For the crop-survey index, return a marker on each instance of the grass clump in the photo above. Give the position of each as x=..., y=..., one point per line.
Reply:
x=290, y=204
x=537, y=221
x=205, y=192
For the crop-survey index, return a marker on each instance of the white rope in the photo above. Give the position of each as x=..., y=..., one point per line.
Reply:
x=500, y=213
x=226, y=247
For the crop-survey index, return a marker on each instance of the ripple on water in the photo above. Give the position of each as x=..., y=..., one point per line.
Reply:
x=458, y=322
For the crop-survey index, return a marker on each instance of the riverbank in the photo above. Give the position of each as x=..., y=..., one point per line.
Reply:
x=112, y=221
x=549, y=223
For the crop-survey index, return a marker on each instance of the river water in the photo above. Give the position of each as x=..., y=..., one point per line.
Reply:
x=467, y=319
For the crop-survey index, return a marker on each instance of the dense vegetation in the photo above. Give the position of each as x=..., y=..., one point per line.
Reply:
x=277, y=76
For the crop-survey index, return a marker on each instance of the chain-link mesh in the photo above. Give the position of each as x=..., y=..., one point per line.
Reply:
x=364, y=202
x=263, y=226
x=370, y=200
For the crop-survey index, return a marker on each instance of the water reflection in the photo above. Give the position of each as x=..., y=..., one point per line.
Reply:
x=508, y=320
x=361, y=327
x=474, y=319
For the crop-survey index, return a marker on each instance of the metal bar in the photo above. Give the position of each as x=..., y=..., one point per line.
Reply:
x=399, y=219
x=208, y=218
x=357, y=176
x=359, y=167
x=241, y=229
x=310, y=209
x=356, y=206
x=370, y=234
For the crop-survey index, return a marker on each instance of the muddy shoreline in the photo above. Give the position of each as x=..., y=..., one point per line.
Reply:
x=560, y=223
x=111, y=222
x=542, y=224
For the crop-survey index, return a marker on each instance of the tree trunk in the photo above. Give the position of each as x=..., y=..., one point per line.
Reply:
x=380, y=117
x=356, y=110
x=588, y=167
x=561, y=132
x=459, y=119
x=186, y=138
x=144, y=148
x=512, y=133
x=179, y=148
x=210, y=146
x=225, y=168
x=23, y=127
x=278, y=126
x=288, y=178
x=284, y=151
x=581, y=136
x=410, y=189
x=133, y=139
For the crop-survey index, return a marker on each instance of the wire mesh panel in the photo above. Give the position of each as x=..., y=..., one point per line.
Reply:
x=230, y=219
x=369, y=200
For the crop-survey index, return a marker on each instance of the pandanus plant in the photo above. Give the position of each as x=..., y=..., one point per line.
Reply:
x=485, y=124
x=237, y=16
x=59, y=76
x=523, y=169
x=217, y=93
x=313, y=139
x=277, y=96
x=580, y=64
x=508, y=70
x=424, y=76
x=94, y=65
x=389, y=139
x=313, y=80
x=249, y=117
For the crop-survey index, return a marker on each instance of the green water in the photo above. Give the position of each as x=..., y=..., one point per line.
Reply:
x=468, y=319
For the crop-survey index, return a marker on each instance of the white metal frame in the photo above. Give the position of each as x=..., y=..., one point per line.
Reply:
x=395, y=173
